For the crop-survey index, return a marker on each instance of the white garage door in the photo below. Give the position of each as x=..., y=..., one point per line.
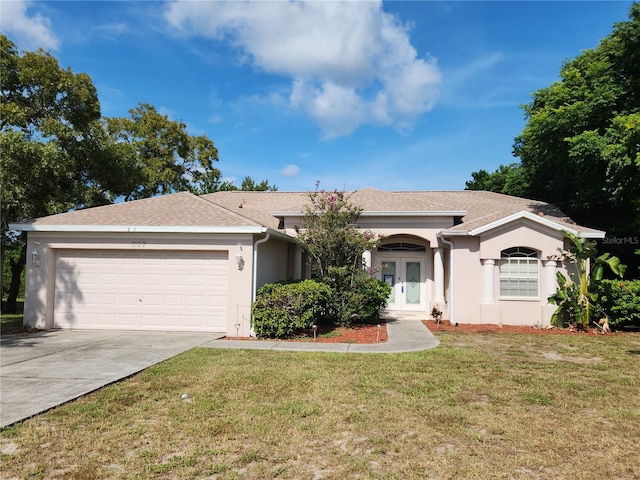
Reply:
x=172, y=291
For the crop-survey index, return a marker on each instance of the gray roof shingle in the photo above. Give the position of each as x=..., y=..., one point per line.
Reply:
x=239, y=208
x=178, y=209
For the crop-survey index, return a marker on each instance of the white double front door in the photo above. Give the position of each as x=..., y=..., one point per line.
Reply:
x=408, y=279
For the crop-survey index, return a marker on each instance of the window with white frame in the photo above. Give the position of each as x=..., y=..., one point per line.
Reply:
x=519, y=273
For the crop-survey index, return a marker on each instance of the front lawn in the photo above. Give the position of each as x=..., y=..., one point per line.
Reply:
x=11, y=323
x=479, y=406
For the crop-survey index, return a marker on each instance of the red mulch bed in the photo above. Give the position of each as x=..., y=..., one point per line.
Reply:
x=445, y=326
x=355, y=334
x=369, y=333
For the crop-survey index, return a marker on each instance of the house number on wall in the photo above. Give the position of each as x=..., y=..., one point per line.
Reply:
x=138, y=244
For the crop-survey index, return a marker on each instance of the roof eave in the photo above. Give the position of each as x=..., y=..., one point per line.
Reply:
x=29, y=227
x=388, y=213
x=526, y=215
x=593, y=235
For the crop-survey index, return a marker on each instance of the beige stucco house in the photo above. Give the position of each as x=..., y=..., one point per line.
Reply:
x=193, y=263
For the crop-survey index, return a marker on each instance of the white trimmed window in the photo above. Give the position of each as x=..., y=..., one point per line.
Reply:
x=519, y=273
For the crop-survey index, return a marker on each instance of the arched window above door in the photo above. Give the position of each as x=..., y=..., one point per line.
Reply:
x=401, y=247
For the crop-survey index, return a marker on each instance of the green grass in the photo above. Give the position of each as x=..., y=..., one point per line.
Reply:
x=11, y=323
x=479, y=406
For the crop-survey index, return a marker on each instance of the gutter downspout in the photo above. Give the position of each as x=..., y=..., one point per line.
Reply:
x=255, y=277
x=451, y=283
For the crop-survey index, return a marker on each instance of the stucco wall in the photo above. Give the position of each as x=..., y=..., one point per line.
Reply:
x=40, y=280
x=467, y=277
x=424, y=228
x=523, y=233
x=272, y=261
x=471, y=303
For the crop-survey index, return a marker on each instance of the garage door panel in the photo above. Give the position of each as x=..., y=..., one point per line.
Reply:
x=105, y=279
x=125, y=320
x=196, y=300
x=89, y=278
x=129, y=300
x=130, y=279
x=106, y=258
x=173, y=280
x=173, y=300
x=195, y=280
x=142, y=291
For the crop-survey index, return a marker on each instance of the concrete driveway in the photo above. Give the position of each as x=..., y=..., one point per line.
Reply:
x=43, y=370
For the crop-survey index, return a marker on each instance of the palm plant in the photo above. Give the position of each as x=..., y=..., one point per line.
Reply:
x=575, y=296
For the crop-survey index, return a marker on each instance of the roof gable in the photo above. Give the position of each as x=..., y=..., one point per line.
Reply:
x=538, y=219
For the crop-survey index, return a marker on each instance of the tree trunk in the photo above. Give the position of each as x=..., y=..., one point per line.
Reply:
x=17, y=266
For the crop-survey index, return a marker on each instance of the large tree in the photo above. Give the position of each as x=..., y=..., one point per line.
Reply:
x=248, y=184
x=507, y=179
x=58, y=153
x=580, y=148
x=166, y=158
x=50, y=138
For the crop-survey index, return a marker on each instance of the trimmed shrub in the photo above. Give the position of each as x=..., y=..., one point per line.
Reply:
x=371, y=295
x=620, y=301
x=284, y=309
x=355, y=298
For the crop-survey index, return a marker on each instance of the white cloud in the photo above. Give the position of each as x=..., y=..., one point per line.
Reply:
x=290, y=170
x=28, y=31
x=350, y=63
x=336, y=108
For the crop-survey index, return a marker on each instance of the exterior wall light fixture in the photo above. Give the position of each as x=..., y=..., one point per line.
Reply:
x=35, y=256
x=239, y=259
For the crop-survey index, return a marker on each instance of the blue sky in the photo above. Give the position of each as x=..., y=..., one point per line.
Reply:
x=392, y=95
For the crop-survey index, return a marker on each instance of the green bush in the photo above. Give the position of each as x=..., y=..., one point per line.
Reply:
x=356, y=297
x=371, y=296
x=283, y=309
x=620, y=301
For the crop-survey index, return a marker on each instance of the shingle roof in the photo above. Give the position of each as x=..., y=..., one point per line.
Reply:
x=179, y=209
x=259, y=206
x=482, y=208
x=241, y=209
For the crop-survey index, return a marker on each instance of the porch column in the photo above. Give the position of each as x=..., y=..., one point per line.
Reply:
x=438, y=276
x=297, y=263
x=550, y=277
x=488, y=281
x=366, y=259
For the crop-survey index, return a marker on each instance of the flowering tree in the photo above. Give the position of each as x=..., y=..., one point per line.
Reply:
x=330, y=237
x=329, y=234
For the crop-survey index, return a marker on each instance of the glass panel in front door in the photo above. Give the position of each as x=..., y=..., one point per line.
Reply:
x=389, y=276
x=413, y=283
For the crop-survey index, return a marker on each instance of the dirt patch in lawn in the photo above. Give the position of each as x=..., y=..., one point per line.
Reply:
x=356, y=334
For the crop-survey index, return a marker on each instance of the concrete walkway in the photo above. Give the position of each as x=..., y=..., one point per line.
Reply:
x=46, y=369
x=406, y=334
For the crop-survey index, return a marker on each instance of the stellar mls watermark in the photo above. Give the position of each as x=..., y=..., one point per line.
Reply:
x=621, y=240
